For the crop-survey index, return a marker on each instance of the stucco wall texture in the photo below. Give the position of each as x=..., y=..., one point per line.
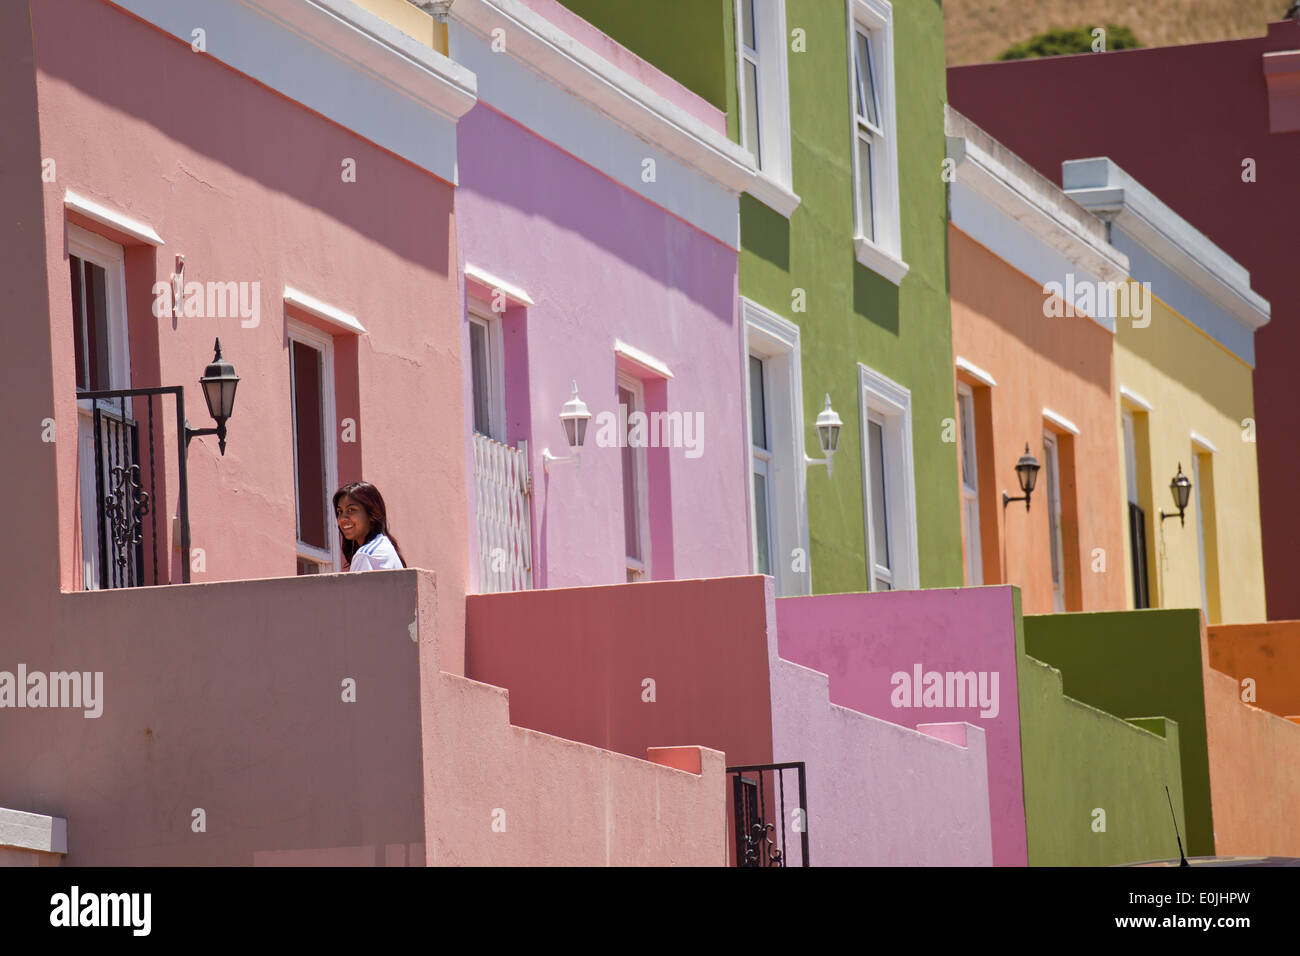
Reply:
x=253, y=193
x=230, y=698
x=1269, y=654
x=576, y=660
x=1065, y=364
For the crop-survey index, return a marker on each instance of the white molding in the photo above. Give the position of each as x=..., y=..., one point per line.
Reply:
x=33, y=831
x=111, y=218
x=884, y=255
x=488, y=280
x=1127, y=394
x=558, y=58
x=339, y=60
x=780, y=199
x=893, y=402
x=642, y=359
x=336, y=317
x=1060, y=421
x=975, y=372
x=1203, y=443
x=776, y=340
x=878, y=260
x=296, y=330
x=773, y=182
x=1103, y=187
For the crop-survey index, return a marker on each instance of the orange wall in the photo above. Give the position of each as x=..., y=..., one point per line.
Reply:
x=1269, y=653
x=1065, y=364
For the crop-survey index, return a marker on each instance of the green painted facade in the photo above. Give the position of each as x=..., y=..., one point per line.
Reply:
x=1139, y=663
x=852, y=314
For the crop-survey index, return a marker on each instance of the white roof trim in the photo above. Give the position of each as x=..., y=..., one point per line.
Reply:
x=485, y=278
x=108, y=217
x=546, y=49
x=643, y=359
x=323, y=310
x=33, y=831
x=975, y=372
x=1034, y=202
x=1103, y=187
x=1060, y=421
x=1134, y=399
x=1200, y=441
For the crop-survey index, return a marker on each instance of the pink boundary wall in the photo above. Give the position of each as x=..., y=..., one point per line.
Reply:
x=575, y=662
x=860, y=640
x=603, y=263
x=229, y=697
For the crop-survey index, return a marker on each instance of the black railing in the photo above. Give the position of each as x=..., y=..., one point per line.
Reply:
x=125, y=496
x=758, y=798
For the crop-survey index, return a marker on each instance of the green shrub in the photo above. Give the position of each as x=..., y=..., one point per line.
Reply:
x=1061, y=41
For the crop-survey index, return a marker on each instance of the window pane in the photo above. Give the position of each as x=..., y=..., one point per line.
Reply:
x=478, y=351
x=90, y=316
x=866, y=81
x=631, y=489
x=968, y=473
x=1130, y=458
x=747, y=24
x=764, y=558
x=879, y=510
x=757, y=403
x=751, y=112
x=306, y=368
x=866, y=204
x=78, y=321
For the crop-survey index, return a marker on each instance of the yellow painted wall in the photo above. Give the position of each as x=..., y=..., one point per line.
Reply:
x=411, y=20
x=1193, y=385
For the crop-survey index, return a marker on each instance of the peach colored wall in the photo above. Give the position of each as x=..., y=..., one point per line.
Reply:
x=229, y=697
x=1267, y=652
x=253, y=192
x=1065, y=364
x=1254, y=780
x=575, y=660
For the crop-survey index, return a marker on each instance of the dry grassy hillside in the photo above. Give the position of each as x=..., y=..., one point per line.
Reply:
x=978, y=30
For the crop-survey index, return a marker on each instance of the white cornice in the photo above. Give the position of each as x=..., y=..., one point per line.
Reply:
x=1101, y=186
x=1134, y=399
x=544, y=48
x=33, y=831
x=1060, y=421
x=324, y=311
x=1035, y=203
x=975, y=372
x=490, y=281
x=642, y=359
x=111, y=218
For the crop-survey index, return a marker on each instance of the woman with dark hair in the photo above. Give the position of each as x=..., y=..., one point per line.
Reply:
x=367, y=543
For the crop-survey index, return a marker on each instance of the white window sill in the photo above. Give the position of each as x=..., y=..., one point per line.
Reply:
x=878, y=260
x=773, y=194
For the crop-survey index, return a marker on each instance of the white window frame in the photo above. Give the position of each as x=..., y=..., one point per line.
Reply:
x=970, y=492
x=1200, y=526
x=883, y=254
x=109, y=256
x=771, y=60
x=637, y=570
x=761, y=458
x=776, y=341
x=481, y=314
x=890, y=403
x=1052, y=464
x=296, y=331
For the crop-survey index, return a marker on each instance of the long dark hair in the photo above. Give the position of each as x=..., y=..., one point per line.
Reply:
x=368, y=496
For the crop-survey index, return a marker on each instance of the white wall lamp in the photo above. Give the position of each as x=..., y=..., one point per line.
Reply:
x=574, y=417
x=828, y=436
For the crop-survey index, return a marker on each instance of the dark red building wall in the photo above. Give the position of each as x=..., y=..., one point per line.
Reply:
x=1182, y=120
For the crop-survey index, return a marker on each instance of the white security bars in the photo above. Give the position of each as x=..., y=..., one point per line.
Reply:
x=503, y=514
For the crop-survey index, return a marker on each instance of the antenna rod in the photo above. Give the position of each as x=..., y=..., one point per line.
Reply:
x=1176, y=834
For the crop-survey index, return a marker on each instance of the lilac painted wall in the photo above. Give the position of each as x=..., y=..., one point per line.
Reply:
x=861, y=640
x=603, y=263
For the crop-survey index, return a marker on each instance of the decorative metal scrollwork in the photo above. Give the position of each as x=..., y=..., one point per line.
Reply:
x=760, y=846
x=125, y=504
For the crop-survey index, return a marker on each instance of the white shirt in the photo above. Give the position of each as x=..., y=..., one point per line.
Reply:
x=377, y=554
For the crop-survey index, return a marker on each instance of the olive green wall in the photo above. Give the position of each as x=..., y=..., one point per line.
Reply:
x=852, y=314
x=1139, y=664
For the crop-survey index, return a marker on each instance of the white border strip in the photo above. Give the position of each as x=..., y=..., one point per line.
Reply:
x=975, y=372
x=323, y=310
x=107, y=217
x=1204, y=443
x=485, y=278
x=1134, y=399
x=1060, y=421
x=643, y=359
x=33, y=831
